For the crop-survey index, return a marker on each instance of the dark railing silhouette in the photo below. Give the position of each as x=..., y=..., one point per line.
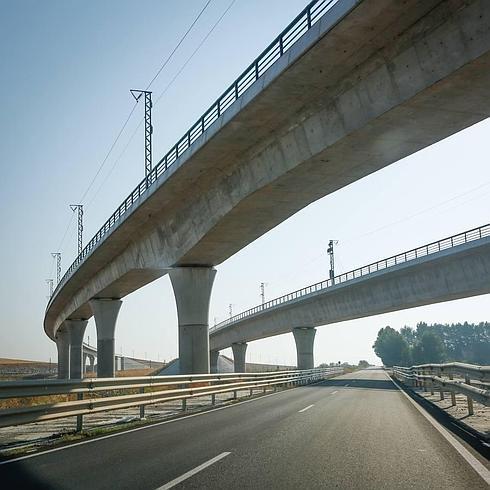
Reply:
x=301, y=24
x=431, y=248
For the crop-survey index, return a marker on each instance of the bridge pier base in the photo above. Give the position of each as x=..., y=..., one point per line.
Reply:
x=92, y=363
x=77, y=331
x=105, y=313
x=192, y=288
x=63, y=346
x=239, y=352
x=304, y=338
x=213, y=361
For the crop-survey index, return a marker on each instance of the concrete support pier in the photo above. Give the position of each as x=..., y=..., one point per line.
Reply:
x=304, y=338
x=239, y=352
x=77, y=331
x=213, y=361
x=105, y=313
x=91, y=359
x=63, y=346
x=84, y=363
x=192, y=288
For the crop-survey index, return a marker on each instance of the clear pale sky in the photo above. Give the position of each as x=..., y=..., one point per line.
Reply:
x=67, y=67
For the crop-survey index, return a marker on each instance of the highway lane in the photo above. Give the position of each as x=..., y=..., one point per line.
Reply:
x=356, y=431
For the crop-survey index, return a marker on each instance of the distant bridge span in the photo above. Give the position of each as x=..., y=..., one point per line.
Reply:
x=349, y=87
x=453, y=268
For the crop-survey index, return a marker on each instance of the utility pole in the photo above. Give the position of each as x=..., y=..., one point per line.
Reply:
x=57, y=256
x=148, y=128
x=262, y=291
x=79, y=209
x=49, y=282
x=331, y=243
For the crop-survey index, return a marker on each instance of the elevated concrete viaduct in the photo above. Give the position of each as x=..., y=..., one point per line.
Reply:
x=458, y=272
x=368, y=83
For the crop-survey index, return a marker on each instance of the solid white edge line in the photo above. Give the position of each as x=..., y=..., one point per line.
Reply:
x=149, y=426
x=333, y=392
x=477, y=466
x=192, y=472
x=306, y=408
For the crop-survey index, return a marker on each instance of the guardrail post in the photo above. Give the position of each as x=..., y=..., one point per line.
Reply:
x=453, y=395
x=184, y=404
x=235, y=396
x=441, y=392
x=79, y=417
x=251, y=391
x=213, y=399
x=468, y=399
x=142, y=407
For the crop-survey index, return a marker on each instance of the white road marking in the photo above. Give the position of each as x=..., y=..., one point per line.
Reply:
x=463, y=452
x=333, y=392
x=190, y=473
x=306, y=408
x=347, y=384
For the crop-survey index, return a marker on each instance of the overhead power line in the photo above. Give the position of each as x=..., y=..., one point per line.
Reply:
x=117, y=160
x=136, y=103
x=204, y=39
x=169, y=57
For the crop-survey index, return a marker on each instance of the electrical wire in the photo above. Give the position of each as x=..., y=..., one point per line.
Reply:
x=204, y=39
x=178, y=45
x=109, y=152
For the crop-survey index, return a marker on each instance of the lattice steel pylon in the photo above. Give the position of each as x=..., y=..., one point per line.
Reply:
x=57, y=256
x=331, y=243
x=79, y=209
x=148, y=127
x=49, y=282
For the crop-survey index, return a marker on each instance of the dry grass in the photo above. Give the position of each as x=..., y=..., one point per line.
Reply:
x=30, y=401
x=136, y=372
x=22, y=362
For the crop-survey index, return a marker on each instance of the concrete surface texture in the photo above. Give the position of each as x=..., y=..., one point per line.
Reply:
x=372, y=82
x=454, y=273
x=357, y=431
x=192, y=288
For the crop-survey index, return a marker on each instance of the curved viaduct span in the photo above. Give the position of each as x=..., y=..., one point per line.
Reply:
x=453, y=268
x=349, y=87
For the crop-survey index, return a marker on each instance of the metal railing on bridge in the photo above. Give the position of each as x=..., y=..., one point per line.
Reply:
x=473, y=382
x=431, y=248
x=105, y=394
x=301, y=24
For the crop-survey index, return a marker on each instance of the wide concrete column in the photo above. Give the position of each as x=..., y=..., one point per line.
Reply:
x=77, y=331
x=63, y=346
x=239, y=352
x=213, y=361
x=105, y=313
x=304, y=338
x=84, y=363
x=192, y=288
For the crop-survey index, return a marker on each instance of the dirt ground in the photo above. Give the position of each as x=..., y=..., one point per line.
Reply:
x=479, y=421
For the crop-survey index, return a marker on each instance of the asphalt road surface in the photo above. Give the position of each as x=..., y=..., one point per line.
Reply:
x=357, y=431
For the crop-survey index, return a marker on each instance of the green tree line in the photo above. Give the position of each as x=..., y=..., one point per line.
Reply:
x=461, y=342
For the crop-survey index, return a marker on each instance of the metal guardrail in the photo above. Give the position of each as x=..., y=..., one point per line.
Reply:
x=431, y=248
x=93, y=394
x=288, y=37
x=441, y=376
